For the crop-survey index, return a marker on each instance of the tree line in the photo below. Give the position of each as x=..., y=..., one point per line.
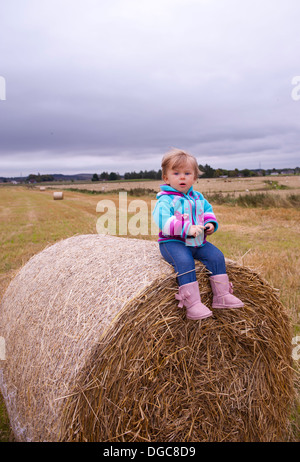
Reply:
x=141, y=175
x=208, y=172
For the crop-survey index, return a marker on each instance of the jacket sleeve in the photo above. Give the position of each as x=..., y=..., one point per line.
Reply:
x=209, y=216
x=169, y=222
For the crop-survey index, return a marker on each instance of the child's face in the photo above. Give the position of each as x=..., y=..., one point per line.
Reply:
x=181, y=178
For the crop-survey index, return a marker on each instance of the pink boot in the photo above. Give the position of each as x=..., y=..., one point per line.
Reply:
x=222, y=291
x=189, y=296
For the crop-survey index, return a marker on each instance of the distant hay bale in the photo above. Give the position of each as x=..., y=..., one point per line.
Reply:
x=98, y=350
x=58, y=195
x=42, y=188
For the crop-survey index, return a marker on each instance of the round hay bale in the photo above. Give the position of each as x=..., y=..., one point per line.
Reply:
x=58, y=195
x=98, y=350
x=42, y=188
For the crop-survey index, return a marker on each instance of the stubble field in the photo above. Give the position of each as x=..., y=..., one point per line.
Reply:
x=205, y=185
x=266, y=239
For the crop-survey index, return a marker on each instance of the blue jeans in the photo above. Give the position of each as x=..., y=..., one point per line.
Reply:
x=182, y=258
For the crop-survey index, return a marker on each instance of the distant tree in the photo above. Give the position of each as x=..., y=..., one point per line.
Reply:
x=220, y=172
x=233, y=173
x=246, y=172
x=151, y=174
x=104, y=176
x=208, y=171
x=38, y=178
x=32, y=178
x=127, y=175
x=143, y=174
x=113, y=176
x=95, y=177
x=47, y=177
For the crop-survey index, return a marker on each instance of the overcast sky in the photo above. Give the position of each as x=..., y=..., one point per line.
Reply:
x=110, y=85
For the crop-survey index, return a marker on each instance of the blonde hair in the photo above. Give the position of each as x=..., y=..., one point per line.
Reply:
x=176, y=158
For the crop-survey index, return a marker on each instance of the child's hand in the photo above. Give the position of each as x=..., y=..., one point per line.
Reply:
x=209, y=228
x=195, y=230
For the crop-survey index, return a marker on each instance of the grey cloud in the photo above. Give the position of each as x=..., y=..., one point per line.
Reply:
x=115, y=84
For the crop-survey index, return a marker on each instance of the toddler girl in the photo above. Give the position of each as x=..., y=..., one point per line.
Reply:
x=184, y=219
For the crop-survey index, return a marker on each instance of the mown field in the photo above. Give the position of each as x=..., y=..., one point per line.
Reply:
x=205, y=185
x=263, y=237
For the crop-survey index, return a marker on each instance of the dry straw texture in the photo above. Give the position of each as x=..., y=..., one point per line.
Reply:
x=58, y=195
x=97, y=350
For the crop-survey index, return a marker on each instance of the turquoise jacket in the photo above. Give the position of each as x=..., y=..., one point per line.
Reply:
x=176, y=212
